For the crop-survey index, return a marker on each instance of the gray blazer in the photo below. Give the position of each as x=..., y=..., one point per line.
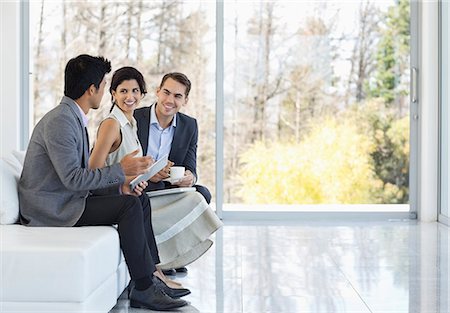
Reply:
x=55, y=180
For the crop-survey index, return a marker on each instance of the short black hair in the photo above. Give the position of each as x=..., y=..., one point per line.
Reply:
x=179, y=77
x=83, y=71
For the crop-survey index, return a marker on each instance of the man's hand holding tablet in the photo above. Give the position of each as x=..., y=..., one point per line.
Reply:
x=137, y=191
x=155, y=168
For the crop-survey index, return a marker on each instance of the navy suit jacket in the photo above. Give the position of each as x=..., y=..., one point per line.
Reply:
x=183, y=151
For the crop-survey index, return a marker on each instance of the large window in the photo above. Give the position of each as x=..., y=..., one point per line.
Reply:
x=316, y=93
x=156, y=37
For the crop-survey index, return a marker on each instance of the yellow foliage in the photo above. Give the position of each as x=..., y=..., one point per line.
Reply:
x=331, y=165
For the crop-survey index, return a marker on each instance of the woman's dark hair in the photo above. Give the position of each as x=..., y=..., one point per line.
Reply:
x=82, y=72
x=179, y=77
x=123, y=74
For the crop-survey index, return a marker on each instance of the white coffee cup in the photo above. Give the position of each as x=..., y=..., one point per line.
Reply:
x=176, y=172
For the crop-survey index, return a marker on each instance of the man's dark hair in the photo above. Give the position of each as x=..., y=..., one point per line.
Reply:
x=179, y=77
x=127, y=73
x=83, y=71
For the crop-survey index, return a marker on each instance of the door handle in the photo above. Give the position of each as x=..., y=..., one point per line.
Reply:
x=414, y=85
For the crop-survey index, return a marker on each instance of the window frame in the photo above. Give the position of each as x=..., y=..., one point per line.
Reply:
x=444, y=69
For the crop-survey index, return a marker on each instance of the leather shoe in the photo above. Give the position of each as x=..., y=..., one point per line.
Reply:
x=129, y=287
x=153, y=298
x=170, y=272
x=181, y=270
x=174, y=293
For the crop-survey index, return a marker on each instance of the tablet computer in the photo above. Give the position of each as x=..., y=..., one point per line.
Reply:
x=155, y=168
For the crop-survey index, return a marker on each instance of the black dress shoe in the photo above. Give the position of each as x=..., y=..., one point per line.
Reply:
x=129, y=287
x=154, y=298
x=181, y=270
x=174, y=293
x=170, y=272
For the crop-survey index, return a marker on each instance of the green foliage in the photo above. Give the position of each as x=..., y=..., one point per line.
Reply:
x=393, y=55
x=331, y=165
x=390, y=157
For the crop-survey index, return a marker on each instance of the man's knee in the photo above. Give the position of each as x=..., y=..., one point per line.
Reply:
x=205, y=192
x=132, y=206
x=145, y=204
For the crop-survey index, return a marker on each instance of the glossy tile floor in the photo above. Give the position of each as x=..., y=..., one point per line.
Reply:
x=399, y=266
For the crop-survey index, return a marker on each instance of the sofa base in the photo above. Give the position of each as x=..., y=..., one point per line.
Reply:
x=101, y=300
x=60, y=269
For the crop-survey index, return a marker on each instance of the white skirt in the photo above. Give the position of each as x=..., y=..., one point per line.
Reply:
x=182, y=224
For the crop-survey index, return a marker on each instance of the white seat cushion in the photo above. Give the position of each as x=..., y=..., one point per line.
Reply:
x=52, y=264
x=19, y=156
x=10, y=170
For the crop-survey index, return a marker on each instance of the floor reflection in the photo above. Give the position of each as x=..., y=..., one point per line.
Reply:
x=352, y=267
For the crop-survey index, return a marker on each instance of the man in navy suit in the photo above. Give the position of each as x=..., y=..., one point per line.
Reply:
x=162, y=129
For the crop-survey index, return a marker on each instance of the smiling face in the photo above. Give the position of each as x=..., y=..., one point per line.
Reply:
x=127, y=96
x=171, y=97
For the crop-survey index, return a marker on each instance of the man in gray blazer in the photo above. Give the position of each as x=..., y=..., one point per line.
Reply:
x=163, y=129
x=57, y=188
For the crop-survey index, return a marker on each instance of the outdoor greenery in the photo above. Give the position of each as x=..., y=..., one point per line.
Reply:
x=342, y=160
x=330, y=165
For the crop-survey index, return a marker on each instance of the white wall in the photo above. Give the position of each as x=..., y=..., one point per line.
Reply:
x=428, y=112
x=9, y=76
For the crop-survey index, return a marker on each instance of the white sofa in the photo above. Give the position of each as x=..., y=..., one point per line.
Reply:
x=54, y=269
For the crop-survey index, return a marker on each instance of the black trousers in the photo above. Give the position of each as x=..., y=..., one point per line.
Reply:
x=204, y=192
x=163, y=185
x=133, y=217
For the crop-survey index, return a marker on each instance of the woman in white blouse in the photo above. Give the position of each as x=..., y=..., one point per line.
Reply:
x=117, y=135
x=184, y=220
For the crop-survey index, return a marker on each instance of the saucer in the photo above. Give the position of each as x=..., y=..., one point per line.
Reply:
x=172, y=180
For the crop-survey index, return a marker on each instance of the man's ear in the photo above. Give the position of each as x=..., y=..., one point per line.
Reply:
x=92, y=89
x=186, y=102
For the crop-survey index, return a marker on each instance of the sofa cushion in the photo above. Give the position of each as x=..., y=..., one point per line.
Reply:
x=10, y=170
x=56, y=264
x=19, y=156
